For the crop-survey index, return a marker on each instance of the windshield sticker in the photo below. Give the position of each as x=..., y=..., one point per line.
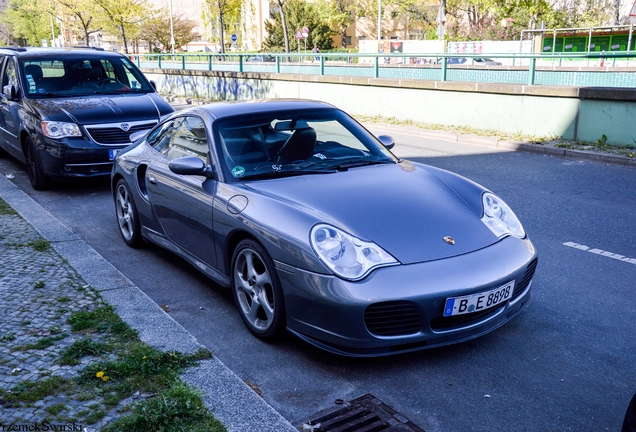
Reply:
x=238, y=171
x=31, y=82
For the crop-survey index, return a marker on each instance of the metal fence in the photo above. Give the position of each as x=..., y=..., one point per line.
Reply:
x=525, y=68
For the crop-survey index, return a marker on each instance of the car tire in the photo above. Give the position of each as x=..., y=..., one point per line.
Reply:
x=38, y=180
x=257, y=291
x=127, y=215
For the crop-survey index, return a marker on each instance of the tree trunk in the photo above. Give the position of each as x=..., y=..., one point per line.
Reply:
x=221, y=38
x=123, y=38
x=284, y=21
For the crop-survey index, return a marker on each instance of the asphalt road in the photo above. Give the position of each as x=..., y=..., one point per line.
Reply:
x=568, y=363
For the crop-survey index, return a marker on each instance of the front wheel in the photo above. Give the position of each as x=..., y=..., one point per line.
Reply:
x=257, y=291
x=127, y=216
x=34, y=166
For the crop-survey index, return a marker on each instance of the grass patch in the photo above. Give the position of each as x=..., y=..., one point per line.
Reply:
x=94, y=417
x=124, y=367
x=42, y=343
x=600, y=145
x=100, y=320
x=5, y=209
x=32, y=391
x=142, y=367
x=176, y=408
x=39, y=284
x=40, y=245
x=80, y=348
x=7, y=337
x=55, y=409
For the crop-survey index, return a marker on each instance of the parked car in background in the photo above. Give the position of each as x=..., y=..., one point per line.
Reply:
x=261, y=58
x=464, y=60
x=319, y=230
x=66, y=112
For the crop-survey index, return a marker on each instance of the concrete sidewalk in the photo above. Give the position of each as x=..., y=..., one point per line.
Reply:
x=41, y=287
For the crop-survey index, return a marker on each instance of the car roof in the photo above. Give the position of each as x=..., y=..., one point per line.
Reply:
x=37, y=52
x=229, y=109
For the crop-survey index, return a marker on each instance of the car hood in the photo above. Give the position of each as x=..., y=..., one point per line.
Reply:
x=102, y=108
x=401, y=207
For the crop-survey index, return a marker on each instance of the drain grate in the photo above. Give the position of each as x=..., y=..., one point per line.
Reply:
x=364, y=414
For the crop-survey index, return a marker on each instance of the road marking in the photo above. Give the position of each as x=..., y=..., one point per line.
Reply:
x=600, y=252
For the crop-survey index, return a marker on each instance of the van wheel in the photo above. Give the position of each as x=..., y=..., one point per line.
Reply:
x=34, y=166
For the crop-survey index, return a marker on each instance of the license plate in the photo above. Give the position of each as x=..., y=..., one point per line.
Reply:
x=112, y=153
x=478, y=302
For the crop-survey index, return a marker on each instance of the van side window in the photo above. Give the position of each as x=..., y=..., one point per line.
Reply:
x=10, y=77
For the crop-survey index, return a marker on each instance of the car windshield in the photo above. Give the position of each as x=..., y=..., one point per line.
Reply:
x=281, y=143
x=74, y=75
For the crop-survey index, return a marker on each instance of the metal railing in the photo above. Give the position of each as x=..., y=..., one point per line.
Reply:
x=369, y=65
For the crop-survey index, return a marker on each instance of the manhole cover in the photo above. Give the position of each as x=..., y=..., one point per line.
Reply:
x=364, y=414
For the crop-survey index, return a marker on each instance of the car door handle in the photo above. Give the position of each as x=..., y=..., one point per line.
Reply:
x=152, y=180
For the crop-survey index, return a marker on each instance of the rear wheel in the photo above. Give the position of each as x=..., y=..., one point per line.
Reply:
x=257, y=291
x=39, y=181
x=127, y=216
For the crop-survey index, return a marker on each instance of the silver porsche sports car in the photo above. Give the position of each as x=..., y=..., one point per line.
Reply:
x=320, y=231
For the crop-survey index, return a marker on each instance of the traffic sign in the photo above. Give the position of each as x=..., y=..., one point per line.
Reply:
x=299, y=35
x=305, y=32
x=233, y=37
x=632, y=13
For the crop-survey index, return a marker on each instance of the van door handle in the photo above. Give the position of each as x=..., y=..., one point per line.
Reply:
x=152, y=180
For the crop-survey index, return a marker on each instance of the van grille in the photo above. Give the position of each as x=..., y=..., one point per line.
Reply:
x=115, y=135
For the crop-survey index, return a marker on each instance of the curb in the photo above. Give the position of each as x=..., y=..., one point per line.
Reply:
x=229, y=399
x=495, y=142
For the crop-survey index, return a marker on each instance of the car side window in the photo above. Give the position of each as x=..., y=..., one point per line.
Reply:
x=10, y=76
x=185, y=136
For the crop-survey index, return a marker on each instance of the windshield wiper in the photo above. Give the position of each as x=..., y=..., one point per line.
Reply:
x=286, y=173
x=346, y=165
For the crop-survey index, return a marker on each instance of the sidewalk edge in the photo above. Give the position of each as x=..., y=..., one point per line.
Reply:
x=231, y=401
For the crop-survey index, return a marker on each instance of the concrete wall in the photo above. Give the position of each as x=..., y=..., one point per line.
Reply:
x=576, y=113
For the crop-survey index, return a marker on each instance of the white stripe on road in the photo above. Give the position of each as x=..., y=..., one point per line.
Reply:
x=600, y=252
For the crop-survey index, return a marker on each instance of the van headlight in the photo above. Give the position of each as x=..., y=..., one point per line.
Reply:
x=58, y=130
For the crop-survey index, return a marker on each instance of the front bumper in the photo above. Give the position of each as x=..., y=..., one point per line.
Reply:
x=400, y=308
x=76, y=157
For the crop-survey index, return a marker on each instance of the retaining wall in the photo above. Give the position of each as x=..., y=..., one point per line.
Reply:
x=574, y=113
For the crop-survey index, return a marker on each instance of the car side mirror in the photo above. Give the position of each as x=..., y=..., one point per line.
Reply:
x=190, y=165
x=153, y=85
x=387, y=141
x=135, y=136
x=10, y=92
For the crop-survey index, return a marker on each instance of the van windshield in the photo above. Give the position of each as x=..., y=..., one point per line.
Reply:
x=72, y=76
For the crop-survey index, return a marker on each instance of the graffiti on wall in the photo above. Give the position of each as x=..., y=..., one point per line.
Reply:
x=211, y=87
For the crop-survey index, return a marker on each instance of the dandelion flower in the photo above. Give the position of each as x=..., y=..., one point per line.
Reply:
x=99, y=374
x=104, y=378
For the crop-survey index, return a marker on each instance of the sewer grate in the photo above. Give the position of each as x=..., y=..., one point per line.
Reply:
x=364, y=414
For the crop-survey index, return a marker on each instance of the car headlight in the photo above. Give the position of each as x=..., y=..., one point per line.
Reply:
x=347, y=256
x=60, y=130
x=500, y=218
